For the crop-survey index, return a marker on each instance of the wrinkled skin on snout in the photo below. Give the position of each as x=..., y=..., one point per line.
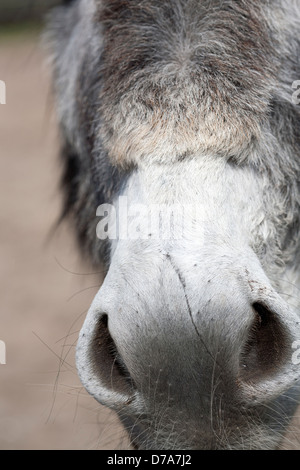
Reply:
x=191, y=338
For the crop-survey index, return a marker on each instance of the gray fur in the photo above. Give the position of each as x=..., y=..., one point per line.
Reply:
x=164, y=100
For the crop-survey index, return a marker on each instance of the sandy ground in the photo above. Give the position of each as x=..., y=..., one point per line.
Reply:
x=42, y=304
x=45, y=289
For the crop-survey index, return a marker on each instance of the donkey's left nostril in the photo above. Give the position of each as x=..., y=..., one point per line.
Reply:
x=106, y=361
x=265, y=350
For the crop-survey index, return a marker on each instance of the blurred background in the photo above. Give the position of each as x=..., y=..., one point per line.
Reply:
x=45, y=288
x=16, y=11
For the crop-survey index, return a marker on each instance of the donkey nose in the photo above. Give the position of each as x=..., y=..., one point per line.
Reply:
x=249, y=350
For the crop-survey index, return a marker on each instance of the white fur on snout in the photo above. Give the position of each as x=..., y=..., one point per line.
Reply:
x=169, y=301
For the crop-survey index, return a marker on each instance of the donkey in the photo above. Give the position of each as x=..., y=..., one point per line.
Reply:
x=191, y=337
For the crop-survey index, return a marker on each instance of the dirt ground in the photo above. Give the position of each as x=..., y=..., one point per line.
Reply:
x=45, y=289
x=42, y=301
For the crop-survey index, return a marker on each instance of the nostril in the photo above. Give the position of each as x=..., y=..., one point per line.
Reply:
x=265, y=350
x=112, y=350
x=106, y=361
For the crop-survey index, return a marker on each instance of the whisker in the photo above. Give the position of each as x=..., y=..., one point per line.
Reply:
x=83, y=290
x=76, y=273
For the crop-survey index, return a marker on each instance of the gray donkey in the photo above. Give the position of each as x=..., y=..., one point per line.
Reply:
x=193, y=338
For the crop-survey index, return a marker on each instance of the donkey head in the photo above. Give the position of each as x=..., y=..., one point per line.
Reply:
x=178, y=124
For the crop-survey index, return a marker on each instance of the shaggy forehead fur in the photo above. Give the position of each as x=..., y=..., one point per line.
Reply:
x=184, y=76
x=181, y=77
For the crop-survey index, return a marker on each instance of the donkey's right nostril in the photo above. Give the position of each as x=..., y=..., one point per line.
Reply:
x=107, y=363
x=266, y=348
